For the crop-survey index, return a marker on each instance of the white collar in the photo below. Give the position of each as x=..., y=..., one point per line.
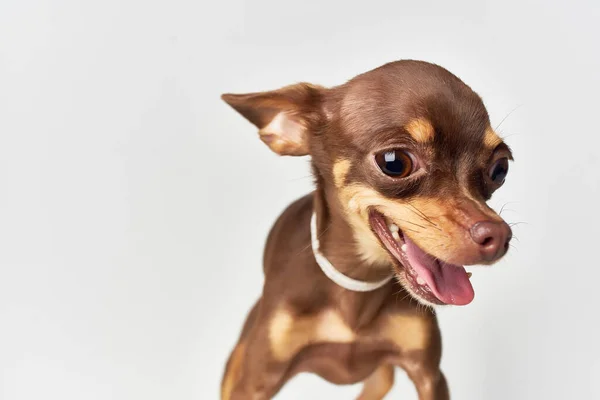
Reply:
x=335, y=275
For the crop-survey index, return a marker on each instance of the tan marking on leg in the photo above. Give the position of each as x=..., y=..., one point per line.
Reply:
x=408, y=332
x=288, y=334
x=491, y=138
x=378, y=384
x=233, y=371
x=340, y=171
x=280, y=332
x=421, y=130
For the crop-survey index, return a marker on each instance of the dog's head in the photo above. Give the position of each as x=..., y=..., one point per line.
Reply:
x=408, y=152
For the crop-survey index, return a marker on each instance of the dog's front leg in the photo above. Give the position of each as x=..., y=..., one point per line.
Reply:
x=378, y=384
x=253, y=372
x=429, y=382
x=423, y=368
x=417, y=337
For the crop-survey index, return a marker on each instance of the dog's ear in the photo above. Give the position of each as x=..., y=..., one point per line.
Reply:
x=284, y=117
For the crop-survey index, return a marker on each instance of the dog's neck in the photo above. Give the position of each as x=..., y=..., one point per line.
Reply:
x=337, y=241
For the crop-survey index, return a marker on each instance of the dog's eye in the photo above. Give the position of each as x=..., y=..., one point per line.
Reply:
x=498, y=171
x=395, y=163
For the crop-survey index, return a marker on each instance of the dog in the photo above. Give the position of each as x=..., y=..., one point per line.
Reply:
x=404, y=160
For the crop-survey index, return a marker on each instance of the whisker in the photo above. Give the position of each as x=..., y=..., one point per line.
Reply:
x=319, y=236
x=423, y=216
x=411, y=230
x=419, y=212
x=517, y=223
x=414, y=223
x=504, y=137
x=299, y=178
x=507, y=115
x=503, y=208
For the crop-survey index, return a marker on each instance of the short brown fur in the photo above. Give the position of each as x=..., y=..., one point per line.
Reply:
x=305, y=322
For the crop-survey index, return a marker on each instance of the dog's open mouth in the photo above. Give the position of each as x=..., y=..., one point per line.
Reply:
x=429, y=278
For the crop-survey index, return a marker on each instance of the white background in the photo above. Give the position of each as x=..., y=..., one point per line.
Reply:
x=134, y=204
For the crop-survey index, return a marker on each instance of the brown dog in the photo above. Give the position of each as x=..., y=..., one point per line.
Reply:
x=404, y=159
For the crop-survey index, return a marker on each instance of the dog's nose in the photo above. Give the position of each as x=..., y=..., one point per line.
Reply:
x=492, y=237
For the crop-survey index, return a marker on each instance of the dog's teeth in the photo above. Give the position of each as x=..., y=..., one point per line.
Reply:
x=393, y=228
x=420, y=281
x=395, y=235
x=404, y=247
x=469, y=274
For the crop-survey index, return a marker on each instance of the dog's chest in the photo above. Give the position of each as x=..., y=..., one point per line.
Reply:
x=324, y=343
x=343, y=363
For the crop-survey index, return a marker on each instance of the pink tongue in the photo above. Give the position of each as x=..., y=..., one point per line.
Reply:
x=448, y=282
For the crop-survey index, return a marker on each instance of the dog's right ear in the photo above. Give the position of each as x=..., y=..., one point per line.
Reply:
x=284, y=117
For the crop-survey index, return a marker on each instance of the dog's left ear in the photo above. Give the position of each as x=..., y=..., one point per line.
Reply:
x=284, y=117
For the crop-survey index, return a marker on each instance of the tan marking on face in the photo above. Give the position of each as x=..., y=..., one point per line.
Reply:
x=368, y=245
x=421, y=130
x=491, y=138
x=340, y=171
x=438, y=226
x=482, y=206
x=408, y=332
x=233, y=371
x=355, y=199
x=288, y=334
